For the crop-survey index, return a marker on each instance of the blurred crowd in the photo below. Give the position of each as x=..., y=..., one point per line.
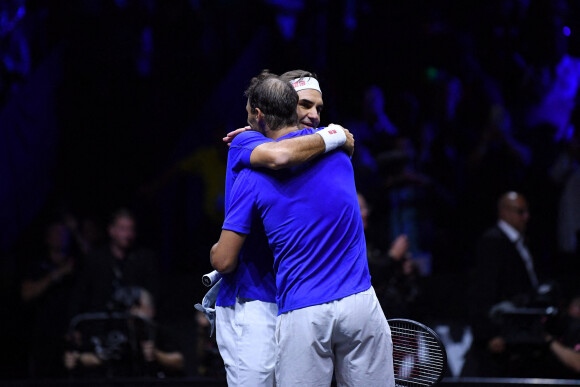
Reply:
x=467, y=162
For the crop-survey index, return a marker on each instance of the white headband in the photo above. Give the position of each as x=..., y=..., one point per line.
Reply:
x=305, y=83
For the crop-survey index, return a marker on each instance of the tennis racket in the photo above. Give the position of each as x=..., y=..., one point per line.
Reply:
x=419, y=356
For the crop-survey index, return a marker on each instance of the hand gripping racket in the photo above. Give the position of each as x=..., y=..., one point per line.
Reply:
x=210, y=279
x=419, y=356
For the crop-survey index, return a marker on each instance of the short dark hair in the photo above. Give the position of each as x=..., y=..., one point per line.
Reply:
x=121, y=213
x=297, y=74
x=275, y=97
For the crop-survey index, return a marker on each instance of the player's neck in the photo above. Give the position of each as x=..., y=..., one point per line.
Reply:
x=276, y=134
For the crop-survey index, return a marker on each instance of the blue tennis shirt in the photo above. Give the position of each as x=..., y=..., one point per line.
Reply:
x=312, y=219
x=254, y=276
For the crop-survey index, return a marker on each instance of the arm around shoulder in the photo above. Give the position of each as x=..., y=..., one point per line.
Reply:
x=287, y=153
x=297, y=150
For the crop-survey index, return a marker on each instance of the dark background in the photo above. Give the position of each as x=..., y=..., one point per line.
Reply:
x=108, y=104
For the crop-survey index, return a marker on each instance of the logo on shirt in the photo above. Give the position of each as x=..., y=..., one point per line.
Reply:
x=333, y=131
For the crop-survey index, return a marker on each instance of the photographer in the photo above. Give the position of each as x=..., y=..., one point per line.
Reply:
x=124, y=342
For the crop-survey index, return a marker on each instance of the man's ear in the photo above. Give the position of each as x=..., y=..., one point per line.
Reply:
x=260, y=119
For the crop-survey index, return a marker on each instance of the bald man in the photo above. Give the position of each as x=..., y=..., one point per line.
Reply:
x=504, y=271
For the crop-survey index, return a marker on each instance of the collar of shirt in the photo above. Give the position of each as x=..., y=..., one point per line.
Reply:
x=512, y=234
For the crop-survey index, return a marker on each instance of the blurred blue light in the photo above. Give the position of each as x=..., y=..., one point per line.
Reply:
x=566, y=31
x=21, y=12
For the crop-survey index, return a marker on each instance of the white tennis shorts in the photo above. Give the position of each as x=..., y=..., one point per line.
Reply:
x=350, y=336
x=245, y=334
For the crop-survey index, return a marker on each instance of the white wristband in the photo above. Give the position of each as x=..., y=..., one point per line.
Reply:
x=333, y=137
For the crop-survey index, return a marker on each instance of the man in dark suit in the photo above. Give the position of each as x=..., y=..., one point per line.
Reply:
x=503, y=278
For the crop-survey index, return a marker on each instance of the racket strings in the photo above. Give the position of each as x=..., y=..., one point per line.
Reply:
x=433, y=352
x=432, y=366
x=411, y=343
x=414, y=343
x=412, y=373
x=417, y=356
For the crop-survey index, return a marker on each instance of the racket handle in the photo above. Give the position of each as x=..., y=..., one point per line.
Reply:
x=211, y=278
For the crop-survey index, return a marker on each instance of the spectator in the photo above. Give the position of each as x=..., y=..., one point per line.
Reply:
x=374, y=132
x=495, y=162
x=118, y=263
x=209, y=360
x=85, y=231
x=394, y=275
x=504, y=273
x=411, y=201
x=45, y=292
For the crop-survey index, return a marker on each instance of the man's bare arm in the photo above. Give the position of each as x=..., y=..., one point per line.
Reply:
x=224, y=254
x=295, y=151
x=568, y=356
x=287, y=153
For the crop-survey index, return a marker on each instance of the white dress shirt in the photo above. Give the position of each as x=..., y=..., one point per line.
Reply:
x=516, y=238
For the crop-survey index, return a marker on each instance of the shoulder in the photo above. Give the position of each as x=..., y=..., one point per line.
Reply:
x=300, y=132
x=249, y=138
x=494, y=239
x=492, y=236
x=493, y=232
